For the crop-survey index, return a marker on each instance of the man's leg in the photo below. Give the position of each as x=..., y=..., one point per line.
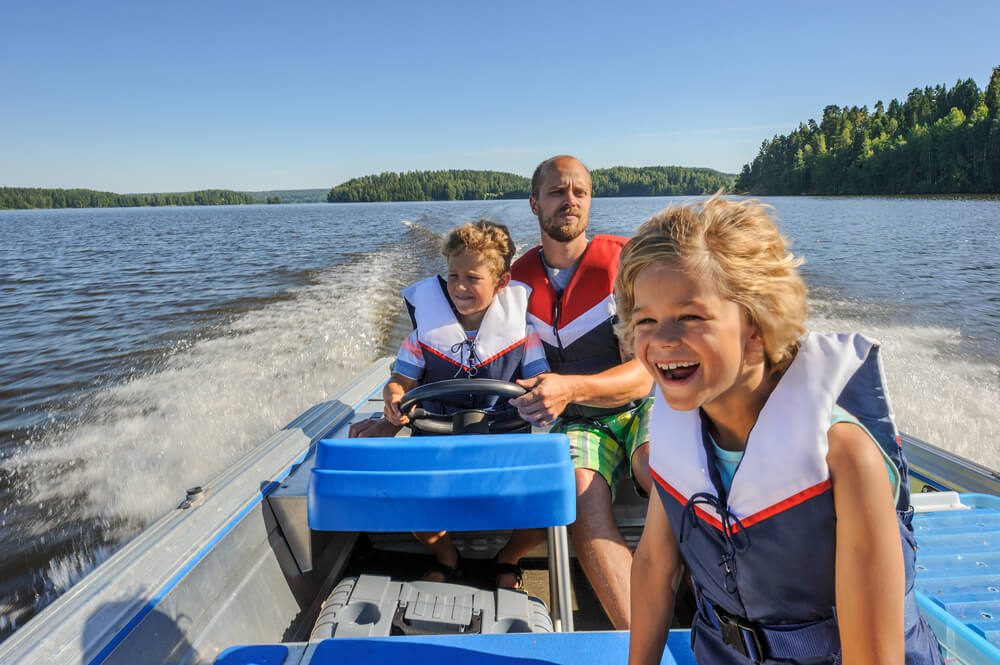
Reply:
x=636, y=437
x=600, y=548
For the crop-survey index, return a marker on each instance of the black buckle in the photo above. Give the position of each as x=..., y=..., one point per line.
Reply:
x=740, y=635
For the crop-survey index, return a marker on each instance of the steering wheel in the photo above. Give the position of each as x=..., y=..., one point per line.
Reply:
x=466, y=421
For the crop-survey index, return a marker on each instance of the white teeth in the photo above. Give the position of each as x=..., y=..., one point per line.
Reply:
x=666, y=367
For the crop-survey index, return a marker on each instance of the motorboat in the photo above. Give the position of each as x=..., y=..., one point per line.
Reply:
x=301, y=553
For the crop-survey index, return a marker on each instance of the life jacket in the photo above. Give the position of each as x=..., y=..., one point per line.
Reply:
x=576, y=326
x=495, y=353
x=762, y=556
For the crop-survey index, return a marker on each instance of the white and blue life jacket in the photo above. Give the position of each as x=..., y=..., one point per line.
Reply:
x=762, y=555
x=496, y=352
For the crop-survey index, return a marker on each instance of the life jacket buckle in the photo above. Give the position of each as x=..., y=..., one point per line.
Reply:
x=740, y=635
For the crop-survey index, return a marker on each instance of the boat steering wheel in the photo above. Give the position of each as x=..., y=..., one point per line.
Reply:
x=466, y=421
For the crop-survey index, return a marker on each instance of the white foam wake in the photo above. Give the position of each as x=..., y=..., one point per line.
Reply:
x=215, y=398
x=938, y=395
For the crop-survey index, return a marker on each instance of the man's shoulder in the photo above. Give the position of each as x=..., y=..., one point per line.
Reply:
x=526, y=262
x=610, y=240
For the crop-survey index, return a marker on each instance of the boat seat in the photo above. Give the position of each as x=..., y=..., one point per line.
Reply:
x=451, y=483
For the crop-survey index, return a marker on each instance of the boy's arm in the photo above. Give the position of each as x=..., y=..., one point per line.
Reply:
x=656, y=574
x=392, y=395
x=534, y=361
x=869, y=566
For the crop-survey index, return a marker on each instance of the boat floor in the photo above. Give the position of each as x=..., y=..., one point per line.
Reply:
x=400, y=556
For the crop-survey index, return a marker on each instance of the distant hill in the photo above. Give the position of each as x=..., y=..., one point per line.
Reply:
x=35, y=197
x=454, y=185
x=290, y=196
x=475, y=185
x=659, y=181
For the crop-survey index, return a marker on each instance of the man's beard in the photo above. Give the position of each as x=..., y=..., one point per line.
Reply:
x=563, y=231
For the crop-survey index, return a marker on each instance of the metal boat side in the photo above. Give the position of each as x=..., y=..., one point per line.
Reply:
x=934, y=469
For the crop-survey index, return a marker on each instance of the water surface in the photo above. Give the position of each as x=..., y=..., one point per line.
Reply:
x=145, y=349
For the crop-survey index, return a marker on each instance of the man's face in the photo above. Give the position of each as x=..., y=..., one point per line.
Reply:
x=563, y=201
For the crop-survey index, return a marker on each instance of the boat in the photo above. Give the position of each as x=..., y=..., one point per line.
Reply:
x=294, y=554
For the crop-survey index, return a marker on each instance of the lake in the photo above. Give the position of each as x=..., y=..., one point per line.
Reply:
x=144, y=349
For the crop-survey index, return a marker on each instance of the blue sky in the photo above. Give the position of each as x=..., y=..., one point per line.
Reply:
x=155, y=97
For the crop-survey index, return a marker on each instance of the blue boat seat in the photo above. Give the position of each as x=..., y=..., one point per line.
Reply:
x=434, y=483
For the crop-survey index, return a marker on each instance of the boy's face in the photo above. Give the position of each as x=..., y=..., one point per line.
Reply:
x=472, y=282
x=699, y=347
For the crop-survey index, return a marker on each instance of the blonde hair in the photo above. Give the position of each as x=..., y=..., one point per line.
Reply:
x=738, y=246
x=489, y=239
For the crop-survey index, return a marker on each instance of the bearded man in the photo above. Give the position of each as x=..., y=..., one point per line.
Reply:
x=594, y=395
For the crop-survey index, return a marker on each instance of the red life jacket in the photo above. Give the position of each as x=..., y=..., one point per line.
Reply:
x=576, y=326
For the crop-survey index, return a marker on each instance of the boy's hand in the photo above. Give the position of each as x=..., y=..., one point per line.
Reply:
x=392, y=395
x=547, y=397
x=370, y=427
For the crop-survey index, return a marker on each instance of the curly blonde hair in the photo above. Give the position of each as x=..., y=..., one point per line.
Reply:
x=739, y=246
x=488, y=238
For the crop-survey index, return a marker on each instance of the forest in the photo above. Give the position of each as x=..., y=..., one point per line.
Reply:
x=937, y=141
x=33, y=197
x=455, y=185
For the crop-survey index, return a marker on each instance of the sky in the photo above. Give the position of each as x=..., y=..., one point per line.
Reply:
x=177, y=96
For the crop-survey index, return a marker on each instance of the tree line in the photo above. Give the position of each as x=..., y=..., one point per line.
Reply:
x=938, y=141
x=658, y=181
x=451, y=185
x=33, y=197
x=460, y=185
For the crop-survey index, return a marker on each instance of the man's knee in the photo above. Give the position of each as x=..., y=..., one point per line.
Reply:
x=591, y=487
x=593, y=504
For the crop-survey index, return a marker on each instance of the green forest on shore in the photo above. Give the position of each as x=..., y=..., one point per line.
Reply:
x=462, y=185
x=35, y=197
x=938, y=141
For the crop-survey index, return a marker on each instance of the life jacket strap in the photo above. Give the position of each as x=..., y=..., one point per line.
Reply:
x=758, y=642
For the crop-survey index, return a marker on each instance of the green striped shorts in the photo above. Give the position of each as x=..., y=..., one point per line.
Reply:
x=606, y=444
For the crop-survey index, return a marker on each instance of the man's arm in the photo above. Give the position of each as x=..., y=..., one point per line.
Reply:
x=549, y=394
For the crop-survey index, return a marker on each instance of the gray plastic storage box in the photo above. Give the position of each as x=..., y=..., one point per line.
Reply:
x=375, y=606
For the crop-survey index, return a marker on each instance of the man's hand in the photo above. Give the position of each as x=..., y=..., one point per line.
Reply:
x=547, y=397
x=371, y=427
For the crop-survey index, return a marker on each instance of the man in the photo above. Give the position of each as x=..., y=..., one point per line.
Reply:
x=593, y=395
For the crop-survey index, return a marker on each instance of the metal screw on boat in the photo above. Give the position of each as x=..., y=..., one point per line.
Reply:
x=195, y=495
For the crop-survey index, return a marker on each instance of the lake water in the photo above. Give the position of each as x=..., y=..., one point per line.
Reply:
x=143, y=350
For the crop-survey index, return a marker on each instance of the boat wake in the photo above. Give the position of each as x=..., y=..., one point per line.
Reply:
x=85, y=486
x=938, y=392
